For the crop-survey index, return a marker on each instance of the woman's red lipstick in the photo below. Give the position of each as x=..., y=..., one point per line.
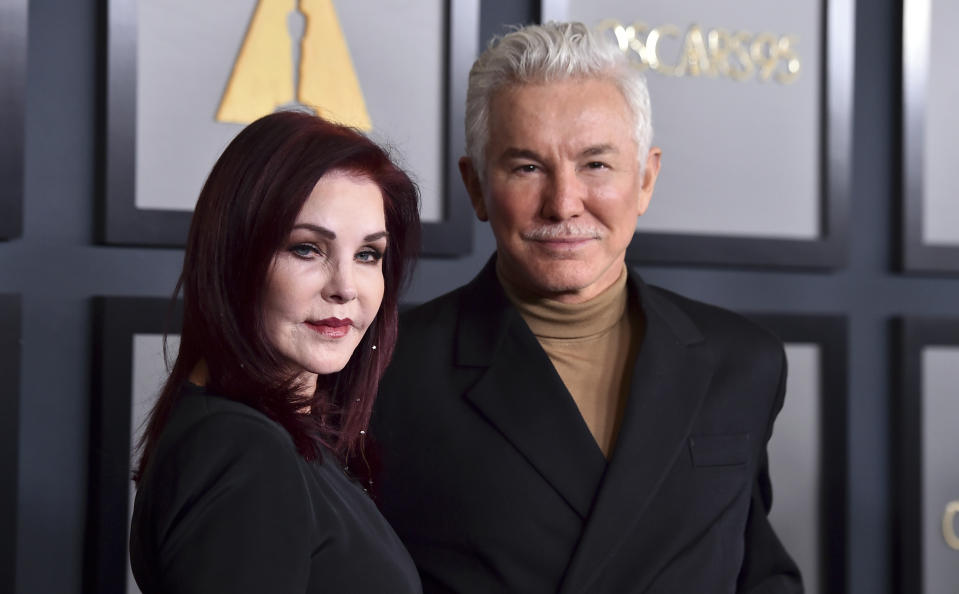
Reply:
x=331, y=327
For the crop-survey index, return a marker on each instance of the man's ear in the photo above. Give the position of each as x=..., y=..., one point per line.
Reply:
x=471, y=180
x=650, y=173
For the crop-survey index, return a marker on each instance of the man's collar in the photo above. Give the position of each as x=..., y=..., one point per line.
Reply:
x=486, y=314
x=655, y=304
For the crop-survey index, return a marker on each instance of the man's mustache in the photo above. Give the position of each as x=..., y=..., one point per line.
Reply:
x=563, y=231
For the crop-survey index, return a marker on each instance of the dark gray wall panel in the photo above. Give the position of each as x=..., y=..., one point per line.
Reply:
x=9, y=434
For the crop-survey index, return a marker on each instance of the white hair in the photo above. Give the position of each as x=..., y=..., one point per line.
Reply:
x=546, y=53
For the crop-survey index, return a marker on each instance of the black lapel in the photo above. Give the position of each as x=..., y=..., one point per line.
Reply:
x=670, y=377
x=522, y=395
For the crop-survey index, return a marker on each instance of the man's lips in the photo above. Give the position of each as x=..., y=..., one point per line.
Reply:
x=563, y=239
x=331, y=327
x=563, y=242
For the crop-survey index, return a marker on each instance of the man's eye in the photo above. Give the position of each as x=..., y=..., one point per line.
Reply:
x=596, y=165
x=527, y=168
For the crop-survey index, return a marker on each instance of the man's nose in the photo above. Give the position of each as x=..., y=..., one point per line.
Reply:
x=563, y=197
x=340, y=287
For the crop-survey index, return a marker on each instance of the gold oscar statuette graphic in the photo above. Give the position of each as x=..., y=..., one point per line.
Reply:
x=294, y=55
x=949, y=525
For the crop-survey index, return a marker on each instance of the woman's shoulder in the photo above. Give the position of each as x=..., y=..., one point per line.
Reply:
x=206, y=432
x=197, y=407
x=224, y=482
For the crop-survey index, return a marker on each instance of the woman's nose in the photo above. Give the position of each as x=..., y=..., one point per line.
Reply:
x=340, y=287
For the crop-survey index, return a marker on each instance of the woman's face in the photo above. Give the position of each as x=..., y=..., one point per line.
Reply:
x=326, y=283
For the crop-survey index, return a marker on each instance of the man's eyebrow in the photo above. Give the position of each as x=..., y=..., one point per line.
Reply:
x=518, y=153
x=600, y=149
x=590, y=151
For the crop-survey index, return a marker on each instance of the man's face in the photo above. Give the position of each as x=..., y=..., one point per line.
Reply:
x=562, y=188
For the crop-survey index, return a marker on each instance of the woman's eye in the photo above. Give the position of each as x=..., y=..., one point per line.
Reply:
x=369, y=256
x=304, y=250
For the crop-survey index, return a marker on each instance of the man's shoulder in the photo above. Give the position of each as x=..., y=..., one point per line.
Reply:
x=425, y=356
x=445, y=303
x=436, y=315
x=717, y=325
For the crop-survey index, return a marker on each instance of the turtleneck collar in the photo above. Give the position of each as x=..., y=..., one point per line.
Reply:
x=551, y=319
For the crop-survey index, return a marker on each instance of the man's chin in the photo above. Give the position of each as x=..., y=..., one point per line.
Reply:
x=558, y=284
x=567, y=280
x=551, y=277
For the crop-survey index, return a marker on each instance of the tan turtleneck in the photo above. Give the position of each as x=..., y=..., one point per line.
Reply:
x=592, y=346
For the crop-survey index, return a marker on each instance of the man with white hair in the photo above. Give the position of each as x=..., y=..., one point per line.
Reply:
x=557, y=425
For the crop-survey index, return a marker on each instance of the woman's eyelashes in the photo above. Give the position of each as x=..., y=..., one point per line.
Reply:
x=309, y=251
x=369, y=255
x=306, y=251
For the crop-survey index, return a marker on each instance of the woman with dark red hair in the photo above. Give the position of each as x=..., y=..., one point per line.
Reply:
x=301, y=239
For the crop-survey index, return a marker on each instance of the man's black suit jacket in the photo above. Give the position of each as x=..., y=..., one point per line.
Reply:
x=495, y=484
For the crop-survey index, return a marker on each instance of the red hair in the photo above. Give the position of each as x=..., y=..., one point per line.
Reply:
x=243, y=216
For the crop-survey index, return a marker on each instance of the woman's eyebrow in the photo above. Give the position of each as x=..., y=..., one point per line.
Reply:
x=331, y=235
x=375, y=236
x=317, y=229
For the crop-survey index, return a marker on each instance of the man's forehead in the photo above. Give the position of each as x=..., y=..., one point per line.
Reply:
x=578, y=124
x=585, y=101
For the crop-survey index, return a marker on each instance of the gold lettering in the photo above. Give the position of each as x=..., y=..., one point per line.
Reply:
x=764, y=53
x=949, y=525
x=637, y=45
x=718, y=41
x=737, y=46
x=620, y=34
x=787, y=53
x=628, y=40
x=716, y=52
x=694, y=59
x=652, y=48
